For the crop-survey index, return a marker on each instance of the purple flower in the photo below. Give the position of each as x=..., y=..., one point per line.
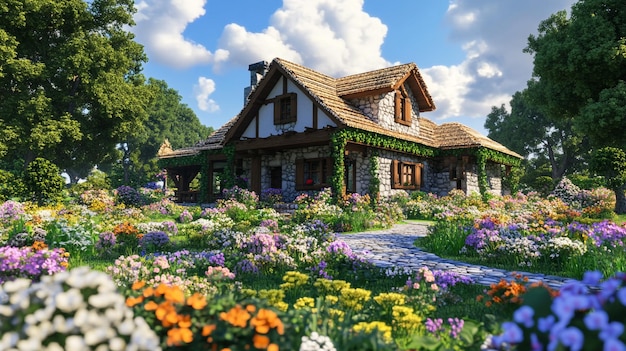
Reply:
x=611, y=331
x=545, y=324
x=156, y=240
x=524, y=315
x=592, y=277
x=512, y=333
x=339, y=247
x=433, y=326
x=613, y=345
x=573, y=338
x=456, y=326
x=596, y=320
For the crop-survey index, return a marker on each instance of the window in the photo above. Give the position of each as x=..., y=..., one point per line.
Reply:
x=406, y=175
x=285, y=108
x=350, y=175
x=313, y=174
x=402, y=107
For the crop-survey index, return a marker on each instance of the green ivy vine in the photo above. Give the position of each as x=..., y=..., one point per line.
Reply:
x=374, y=187
x=229, y=170
x=338, y=142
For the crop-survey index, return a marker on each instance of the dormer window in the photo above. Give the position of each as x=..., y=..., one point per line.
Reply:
x=402, y=107
x=285, y=108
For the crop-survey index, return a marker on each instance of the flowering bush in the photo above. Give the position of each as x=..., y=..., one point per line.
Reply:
x=579, y=318
x=271, y=196
x=249, y=198
x=106, y=243
x=76, y=310
x=154, y=241
x=97, y=200
x=26, y=262
x=185, y=217
x=128, y=196
x=10, y=211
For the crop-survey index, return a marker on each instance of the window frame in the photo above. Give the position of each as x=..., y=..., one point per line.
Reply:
x=324, y=173
x=402, y=107
x=399, y=171
x=280, y=117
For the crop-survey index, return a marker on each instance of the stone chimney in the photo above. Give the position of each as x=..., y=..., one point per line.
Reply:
x=257, y=71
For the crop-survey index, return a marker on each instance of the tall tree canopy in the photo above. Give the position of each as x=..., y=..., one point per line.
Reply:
x=580, y=71
x=69, y=80
x=529, y=132
x=580, y=64
x=168, y=118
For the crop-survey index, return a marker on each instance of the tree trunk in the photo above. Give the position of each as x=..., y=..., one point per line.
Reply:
x=620, y=201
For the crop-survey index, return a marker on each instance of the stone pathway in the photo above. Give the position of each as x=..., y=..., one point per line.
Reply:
x=394, y=247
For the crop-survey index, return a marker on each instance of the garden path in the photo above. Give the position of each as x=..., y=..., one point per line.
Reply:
x=393, y=247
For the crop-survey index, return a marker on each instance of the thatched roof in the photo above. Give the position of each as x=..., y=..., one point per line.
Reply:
x=333, y=94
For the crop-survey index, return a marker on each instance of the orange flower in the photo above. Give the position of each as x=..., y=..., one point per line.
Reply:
x=147, y=292
x=138, y=285
x=208, y=329
x=260, y=341
x=132, y=301
x=236, y=316
x=197, y=301
x=272, y=347
x=175, y=294
x=39, y=245
x=151, y=306
x=177, y=336
x=251, y=308
x=160, y=290
x=265, y=320
x=184, y=321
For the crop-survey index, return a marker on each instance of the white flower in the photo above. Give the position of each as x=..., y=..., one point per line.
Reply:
x=61, y=325
x=54, y=347
x=104, y=300
x=16, y=285
x=97, y=335
x=75, y=343
x=69, y=301
x=29, y=345
x=9, y=340
x=117, y=344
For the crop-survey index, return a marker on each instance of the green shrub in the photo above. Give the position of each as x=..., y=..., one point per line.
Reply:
x=11, y=185
x=43, y=181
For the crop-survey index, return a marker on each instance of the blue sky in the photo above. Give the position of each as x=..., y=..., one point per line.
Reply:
x=469, y=51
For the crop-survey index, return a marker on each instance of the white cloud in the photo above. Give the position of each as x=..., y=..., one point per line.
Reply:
x=334, y=37
x=493, y=35
x=159, y=27
x=202, y=91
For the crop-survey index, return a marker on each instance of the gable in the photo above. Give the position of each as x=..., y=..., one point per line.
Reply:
x=308, y=114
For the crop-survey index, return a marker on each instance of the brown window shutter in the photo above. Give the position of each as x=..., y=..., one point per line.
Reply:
x=299, y=173
x=398, y=105
x=418, y=176
x=276, y=111
x=407, y=109
x=294, y=106
x=395, y=173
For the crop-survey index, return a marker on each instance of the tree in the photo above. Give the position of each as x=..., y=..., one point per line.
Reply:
x=43, y=180
x=69, y=79
x=610, y=162
x=168, y=118
x=580, y=63
x=532, y=134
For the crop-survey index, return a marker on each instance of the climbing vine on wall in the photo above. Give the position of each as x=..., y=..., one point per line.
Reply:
x=374, y=188
x=229, y=170
x=337, y=150
x=387, y=142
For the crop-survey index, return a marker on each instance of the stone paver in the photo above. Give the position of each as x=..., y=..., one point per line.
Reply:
x=394, y=247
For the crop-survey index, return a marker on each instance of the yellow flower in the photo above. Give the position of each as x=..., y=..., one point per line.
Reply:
x=293, y=279
x=354, y=298
x=304, y=302
x=368, y=327
x=387, y=300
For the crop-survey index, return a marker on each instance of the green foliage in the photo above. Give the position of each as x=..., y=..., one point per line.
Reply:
x=543, y=184
x=43, y=181
x=579, y=65
x=11, y=185
x=70, y=81
x=374, y=187
x=610, y=162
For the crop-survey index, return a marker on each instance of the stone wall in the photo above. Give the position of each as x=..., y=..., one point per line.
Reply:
x=381, y=110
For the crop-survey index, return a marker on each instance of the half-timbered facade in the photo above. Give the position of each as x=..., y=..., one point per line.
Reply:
x=301, y=131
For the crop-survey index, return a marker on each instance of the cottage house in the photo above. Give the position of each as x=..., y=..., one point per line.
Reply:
x=301, y=130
